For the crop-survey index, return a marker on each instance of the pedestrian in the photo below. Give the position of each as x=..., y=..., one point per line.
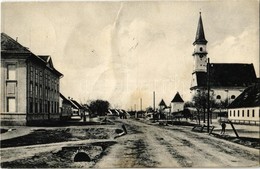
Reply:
x=223, y=126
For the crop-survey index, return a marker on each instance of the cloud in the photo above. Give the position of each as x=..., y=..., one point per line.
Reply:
x=240, y=49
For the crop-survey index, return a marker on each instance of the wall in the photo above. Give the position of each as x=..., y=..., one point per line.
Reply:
x=176, y=107
x=233, y=113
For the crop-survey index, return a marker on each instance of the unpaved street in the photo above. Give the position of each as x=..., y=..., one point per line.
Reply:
x=175, y=146
x=144, y=145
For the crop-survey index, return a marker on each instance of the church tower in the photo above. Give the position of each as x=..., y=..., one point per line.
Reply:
x=200, y=50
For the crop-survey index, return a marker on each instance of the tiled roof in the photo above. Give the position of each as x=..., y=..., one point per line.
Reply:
x=228, y=75
x=10, y=45
x=177, y=98
x=250, y=97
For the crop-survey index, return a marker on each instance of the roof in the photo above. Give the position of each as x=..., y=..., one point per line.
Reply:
x=77, y=104
x=250, y=97
x=177, y=98
x=200, y=36
x=68, y=101
x=228, y=75
x=10, y=45
x=162, y=103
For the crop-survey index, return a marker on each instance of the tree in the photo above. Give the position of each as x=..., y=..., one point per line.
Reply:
x=200, y=103
x=99, y=107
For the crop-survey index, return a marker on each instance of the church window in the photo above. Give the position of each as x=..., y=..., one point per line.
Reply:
x=247, y=113
x=243, y=113
x=253, y=113
x=201, y=48
x=233, y=97
x=230, y=113
x=234, y=113
x=218, y=97
x=238, y=113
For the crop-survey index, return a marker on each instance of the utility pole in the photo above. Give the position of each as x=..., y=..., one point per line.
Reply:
x=154, y=101
x=208, y=98
x=140, y=104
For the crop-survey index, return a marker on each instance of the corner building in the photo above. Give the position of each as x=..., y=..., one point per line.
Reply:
x=29, y=85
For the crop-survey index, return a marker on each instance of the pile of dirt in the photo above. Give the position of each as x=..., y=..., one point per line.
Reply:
x=43, y=136
x=64, y=158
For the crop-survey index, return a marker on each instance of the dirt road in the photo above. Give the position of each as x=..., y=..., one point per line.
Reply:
x=176, y=146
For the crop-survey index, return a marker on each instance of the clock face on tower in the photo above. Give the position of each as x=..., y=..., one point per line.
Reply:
x=201, y=56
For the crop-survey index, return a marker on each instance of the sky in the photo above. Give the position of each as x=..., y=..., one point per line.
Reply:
x=123, y=51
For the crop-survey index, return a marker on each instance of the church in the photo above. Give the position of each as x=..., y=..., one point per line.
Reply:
x=226, y=80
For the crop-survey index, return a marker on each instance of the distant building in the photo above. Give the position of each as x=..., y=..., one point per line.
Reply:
x=79, y=110
x=177, y=103
x=162, y=105
x=29, y=85
x=227, y=80
x=65, y=108
x=246, y=107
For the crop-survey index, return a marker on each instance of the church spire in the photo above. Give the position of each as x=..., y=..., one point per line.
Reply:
x=200, y=36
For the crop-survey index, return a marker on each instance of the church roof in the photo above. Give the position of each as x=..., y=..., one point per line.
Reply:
x=162, y=103
x=11, y=46
x=200, y=36
x=227, y=75
x=177, y=98
x=250, y=97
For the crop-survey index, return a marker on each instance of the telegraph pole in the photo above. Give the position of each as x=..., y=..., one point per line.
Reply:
x=208, y=98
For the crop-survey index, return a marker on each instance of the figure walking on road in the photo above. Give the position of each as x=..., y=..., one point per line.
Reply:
x=223, y=126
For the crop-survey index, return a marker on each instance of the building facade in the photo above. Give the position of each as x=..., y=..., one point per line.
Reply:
x=29, y=85
x=177, y=103
x=246, y=107
x=226, y=80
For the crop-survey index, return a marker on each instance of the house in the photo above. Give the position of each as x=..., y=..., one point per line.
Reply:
x=162, y=105
x=65, y=108
x=79, y=108
x=226, y=80
x=246, y=107
x=177, y=103
x=30, y=85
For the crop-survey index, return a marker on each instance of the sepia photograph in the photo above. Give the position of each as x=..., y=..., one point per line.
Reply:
x=130, y=84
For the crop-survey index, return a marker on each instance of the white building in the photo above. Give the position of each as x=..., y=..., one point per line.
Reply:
x=226, y=80
x=177, y=103
x=246, y=107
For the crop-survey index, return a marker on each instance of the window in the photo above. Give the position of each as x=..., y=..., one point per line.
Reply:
x=40, y=92
x=243, y=113
x=234, y=113
x=36, y=90
x=253, y=113
x=233, y=97
x=247, y=113
x=36, y=76
x=31, y=73
x=201, y=49
x=30, y=105
x=218, y=97
x=230, y=113
x=11, y=72
x=40, y=104
x=31, y=88
x=238, y=113
x=40, y=78
x=36, y=106
x=11, y=104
